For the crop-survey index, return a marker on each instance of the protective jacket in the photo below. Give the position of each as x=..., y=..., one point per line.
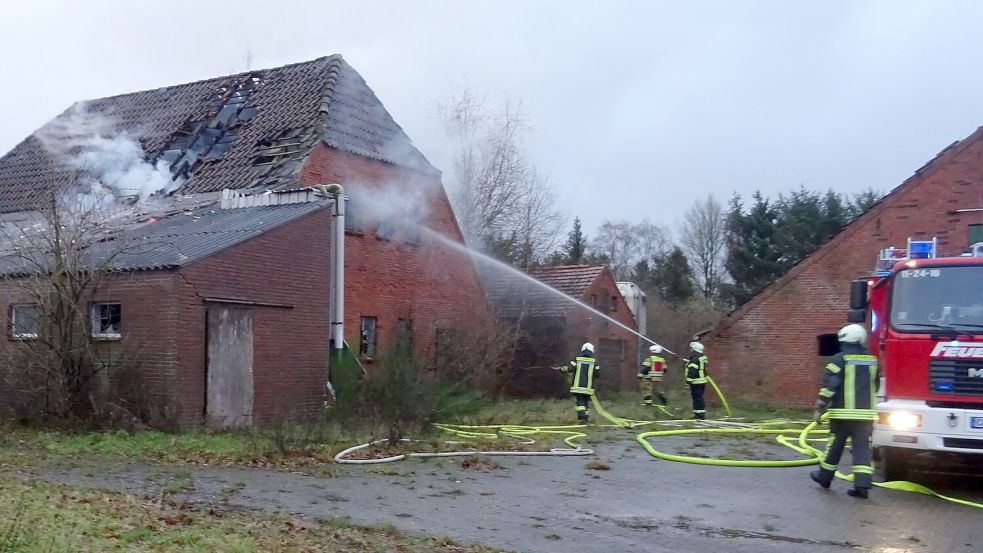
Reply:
x=653, y=367
x=696, y=368
x=584, y=369
x=850, y=385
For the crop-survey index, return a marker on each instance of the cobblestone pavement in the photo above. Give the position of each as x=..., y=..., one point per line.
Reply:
x=559, y=505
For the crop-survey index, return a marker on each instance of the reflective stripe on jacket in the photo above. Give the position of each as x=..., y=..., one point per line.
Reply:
x=583, y=369
x=653, y=367
x=696, y=368
x=850, y=385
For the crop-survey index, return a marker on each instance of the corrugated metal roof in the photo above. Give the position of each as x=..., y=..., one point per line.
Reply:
x=184, y=238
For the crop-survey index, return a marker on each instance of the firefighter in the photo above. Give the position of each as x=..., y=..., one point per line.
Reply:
x=696, y=378
x=848, y=396
x=652, y=369
x=584, y=369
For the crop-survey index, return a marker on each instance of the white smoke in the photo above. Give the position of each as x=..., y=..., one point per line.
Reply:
x=110, y=162
x=403, y=205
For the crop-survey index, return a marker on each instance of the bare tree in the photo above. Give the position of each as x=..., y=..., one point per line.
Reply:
x=623, y=245
x=703, y=237
x=503, y=204
x=53, y=261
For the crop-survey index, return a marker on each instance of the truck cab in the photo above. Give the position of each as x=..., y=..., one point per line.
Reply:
x=925, y=315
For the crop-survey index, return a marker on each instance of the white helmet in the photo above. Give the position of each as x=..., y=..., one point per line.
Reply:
x=696, y=346
x=656, y=348
x=852, y=334
x=587, y=346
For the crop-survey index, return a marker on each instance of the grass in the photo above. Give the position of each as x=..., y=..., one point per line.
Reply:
x=311, y=447
x=46, y=517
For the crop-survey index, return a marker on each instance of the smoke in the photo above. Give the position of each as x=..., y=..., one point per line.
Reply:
x=398, y=204
x=110, y=162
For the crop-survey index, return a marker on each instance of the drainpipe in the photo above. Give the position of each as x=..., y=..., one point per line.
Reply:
x=337, y=278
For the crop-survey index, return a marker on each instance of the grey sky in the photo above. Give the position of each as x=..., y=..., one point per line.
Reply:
x=638, y=108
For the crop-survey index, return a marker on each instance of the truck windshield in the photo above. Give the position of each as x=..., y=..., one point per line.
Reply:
x=933, y=298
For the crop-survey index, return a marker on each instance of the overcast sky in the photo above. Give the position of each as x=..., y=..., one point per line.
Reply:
x=637, y=108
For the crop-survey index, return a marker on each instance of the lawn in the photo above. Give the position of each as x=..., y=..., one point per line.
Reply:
x=47, y=517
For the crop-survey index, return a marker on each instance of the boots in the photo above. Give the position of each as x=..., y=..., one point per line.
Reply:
x=647, y=400
x=662, y=399
x=582, y=417
x=817, y=477
x=859, y=493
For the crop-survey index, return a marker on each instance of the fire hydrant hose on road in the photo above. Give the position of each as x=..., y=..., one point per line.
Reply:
x=795, y=435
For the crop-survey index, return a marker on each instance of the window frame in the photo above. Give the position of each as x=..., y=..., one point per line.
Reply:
x=12, y=333
x=93, y=320
x=366, y=353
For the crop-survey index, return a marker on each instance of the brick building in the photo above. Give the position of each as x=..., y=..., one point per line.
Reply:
x=767, y=349
x=552, y=329
x=245, y=290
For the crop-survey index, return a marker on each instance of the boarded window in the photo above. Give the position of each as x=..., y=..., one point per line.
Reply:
x=445, y=342
x=24, y=322
x=352, y=222
x=107, y=319
x=386, y=229
x=367, y=342
x=614, y=303
x=404, y=335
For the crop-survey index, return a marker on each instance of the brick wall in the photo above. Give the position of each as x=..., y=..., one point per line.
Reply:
x=285, y=270
x=428, y=283
x=149, y=332
x=767, y=349
x=584, y=326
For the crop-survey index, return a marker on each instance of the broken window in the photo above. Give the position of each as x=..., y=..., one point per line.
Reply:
x=24, y=322
x=107, y=321
x=614, y=303
x=446, y=339
x=367, y=341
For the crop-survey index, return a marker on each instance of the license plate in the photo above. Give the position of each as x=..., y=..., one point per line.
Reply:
x=976, y=422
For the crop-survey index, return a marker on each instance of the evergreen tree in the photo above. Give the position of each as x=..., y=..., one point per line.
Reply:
x=576, y=244
x=669, y=276
x=753, y=254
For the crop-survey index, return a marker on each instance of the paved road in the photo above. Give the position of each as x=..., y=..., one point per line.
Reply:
x=558, y=505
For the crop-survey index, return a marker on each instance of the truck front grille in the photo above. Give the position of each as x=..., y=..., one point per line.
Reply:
x=956, y=377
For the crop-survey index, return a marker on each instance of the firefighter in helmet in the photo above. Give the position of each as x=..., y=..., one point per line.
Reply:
x=584, y=368
x=848, y=396
x=696, y=378
x=652, y=370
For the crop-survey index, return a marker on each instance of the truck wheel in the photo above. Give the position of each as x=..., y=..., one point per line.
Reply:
x=895, y=461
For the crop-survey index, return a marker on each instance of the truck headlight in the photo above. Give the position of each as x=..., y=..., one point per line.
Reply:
x=900, y=420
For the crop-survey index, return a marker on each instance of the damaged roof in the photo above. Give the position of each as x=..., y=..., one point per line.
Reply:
x=512, y=296
x=253, y=130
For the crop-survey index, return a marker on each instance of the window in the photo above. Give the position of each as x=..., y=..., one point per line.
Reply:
x=614, y=303
x=404, y=335
x=414, y=223
x=107, y=321
x=975, y=234
x=366, y=344
x=352, y=224
x=386, y=229
x=446, y=339
x=24, y=322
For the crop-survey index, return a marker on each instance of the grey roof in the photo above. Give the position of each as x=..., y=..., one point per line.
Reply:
x=181, y=239
x=252, y=130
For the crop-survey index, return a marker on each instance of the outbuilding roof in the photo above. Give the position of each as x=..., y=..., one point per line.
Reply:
x=513, y=295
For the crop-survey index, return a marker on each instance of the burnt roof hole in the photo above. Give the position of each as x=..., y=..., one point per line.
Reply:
x=289, y=144
x=209, y=139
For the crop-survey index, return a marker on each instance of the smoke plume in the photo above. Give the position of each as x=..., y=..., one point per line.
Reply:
x=110, y=162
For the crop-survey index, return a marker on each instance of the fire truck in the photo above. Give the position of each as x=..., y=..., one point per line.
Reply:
x=925, y=315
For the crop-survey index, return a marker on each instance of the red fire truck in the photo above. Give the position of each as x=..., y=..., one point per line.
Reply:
x=926, y=329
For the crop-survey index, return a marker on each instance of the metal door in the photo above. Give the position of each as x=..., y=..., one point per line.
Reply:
x=229, y=399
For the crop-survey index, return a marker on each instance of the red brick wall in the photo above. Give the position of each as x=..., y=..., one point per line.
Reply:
x=428, y=283
x=287, y=269
x=767, y=349
x=584, y=326
x=149, y=330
